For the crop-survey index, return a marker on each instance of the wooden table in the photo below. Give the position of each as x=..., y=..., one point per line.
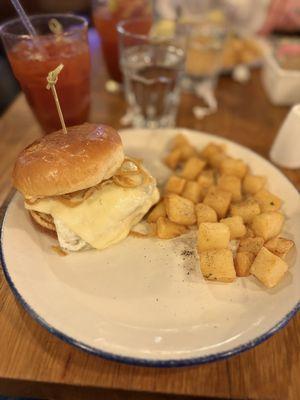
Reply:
x=35, y=363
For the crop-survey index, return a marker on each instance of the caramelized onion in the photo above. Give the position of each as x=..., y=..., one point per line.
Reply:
x=32, y=200
x=124, y=181
x=59, y=251
x=105, y=183
x=124, y=177
x=68, y=202
x=128, y=173
x=89, y=192
x=76, y=198
x=45, y=217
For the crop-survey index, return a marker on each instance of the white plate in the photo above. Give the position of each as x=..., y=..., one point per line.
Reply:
x=144, y=301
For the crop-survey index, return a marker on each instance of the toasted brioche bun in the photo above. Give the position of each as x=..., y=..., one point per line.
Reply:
x=61, y=163
x=45, y=220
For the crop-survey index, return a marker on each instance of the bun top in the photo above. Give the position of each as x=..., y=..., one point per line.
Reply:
x=61, y=163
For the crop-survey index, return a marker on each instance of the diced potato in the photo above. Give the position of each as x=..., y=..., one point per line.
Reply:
x=172, y=159
x=267, y=201
x=242, y=263
x=205, y=213
x=253, y=183
x=219, y=200
x=279, y=246
x=268, y=268
x=179, y=141
x=236, y=226
x=187, y=151
x=251, y=245
x=167, y=229
x=192, y=168
x=206, y=179
x=217, y=265
x=212, y=236
x=212, y=149
x=268, y=225
x=192, y=191
x=157, y=211
x=175, y=184
x=249, y=233
x=231, y=184
x=180, y=210
x=247, y=209
x=216, y=159
x=232, y=166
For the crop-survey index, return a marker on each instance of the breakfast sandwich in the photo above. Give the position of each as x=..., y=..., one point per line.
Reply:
x=80, y=185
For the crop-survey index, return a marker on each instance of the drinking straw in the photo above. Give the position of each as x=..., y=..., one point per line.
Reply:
x=24, y=18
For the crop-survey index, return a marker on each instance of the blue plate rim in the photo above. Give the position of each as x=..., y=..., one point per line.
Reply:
x=134, y=360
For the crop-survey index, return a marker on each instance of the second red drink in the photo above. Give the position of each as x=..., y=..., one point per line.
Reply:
x=106, y=15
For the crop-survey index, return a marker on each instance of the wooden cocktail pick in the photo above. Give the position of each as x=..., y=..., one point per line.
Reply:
x=52, y=79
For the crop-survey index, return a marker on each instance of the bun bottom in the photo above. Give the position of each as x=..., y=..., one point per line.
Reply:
x=44, y=220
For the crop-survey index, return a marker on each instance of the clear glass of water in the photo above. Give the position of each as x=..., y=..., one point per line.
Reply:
x=152, y=67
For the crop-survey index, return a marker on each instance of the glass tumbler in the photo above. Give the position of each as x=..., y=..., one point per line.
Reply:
x=106, y=15
x=205, y=51
x=152, y=67
x=32, y=57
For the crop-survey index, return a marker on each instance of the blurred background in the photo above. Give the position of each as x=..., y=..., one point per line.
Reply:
x=279, y=17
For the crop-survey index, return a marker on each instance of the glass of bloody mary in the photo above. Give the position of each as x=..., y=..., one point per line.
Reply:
x=32, y=57
x=106, y=15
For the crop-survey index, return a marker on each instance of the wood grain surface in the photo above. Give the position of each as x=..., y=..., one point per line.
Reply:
x=35, y=363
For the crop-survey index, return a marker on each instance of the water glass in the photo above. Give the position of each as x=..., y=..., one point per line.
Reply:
x=152, y=67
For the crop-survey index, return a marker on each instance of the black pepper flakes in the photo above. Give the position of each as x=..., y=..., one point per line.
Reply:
x=187, y=253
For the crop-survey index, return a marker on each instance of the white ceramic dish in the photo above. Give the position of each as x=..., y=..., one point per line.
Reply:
x=285, y=148
x=144, y=301
x=281, y=85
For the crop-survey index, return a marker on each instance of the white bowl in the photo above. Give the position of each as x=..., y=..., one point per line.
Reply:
x=281, y=85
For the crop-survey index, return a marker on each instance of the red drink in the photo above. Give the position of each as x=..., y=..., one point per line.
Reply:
x=106, y=16
x=31, y=61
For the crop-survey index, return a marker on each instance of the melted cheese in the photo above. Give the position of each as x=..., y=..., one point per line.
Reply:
x=106, y=217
